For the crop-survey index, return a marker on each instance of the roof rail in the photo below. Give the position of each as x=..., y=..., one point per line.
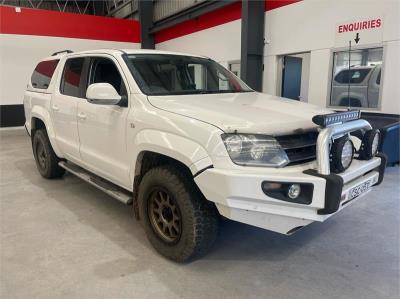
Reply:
x=63, y=51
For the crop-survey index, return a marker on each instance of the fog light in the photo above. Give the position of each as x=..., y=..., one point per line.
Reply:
x=370, y=144
x=342, y=153
x=294, y=191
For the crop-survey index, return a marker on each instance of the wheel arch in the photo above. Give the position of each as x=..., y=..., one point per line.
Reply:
x=155, y=148
x=40, y=118
x=147, y=160
x=170, y=146
x=355, y=102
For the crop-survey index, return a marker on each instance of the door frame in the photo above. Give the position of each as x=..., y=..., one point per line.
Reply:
x=279, y=78
x=330, y=74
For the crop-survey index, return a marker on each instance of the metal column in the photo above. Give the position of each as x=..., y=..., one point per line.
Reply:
x=252, y=43
x=146, y=23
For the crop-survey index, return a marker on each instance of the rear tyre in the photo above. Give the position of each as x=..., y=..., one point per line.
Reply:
x=179, y=222
x=46, y=159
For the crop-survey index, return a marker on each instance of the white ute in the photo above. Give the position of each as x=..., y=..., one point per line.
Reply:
x=184, y=141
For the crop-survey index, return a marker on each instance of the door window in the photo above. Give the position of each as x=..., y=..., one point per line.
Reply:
x=72, y=77
x=103, y=70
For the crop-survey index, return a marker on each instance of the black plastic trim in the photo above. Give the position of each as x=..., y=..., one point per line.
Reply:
x=202, y=170
x=305, y=197
x=381, y=168
x=333, y=191
x=62, y=51
x=27, y=132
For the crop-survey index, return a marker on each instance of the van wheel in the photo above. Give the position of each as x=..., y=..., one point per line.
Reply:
x=179, y=222
x=46, y=159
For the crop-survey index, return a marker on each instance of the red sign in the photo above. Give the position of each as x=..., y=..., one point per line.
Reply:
x=357, y=26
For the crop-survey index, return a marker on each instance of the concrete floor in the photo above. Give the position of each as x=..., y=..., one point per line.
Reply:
x=64, y=238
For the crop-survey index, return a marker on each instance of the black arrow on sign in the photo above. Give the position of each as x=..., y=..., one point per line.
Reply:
x=357, y=39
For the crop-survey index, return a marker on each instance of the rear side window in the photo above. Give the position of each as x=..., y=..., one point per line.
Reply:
x=71, y=77
x=356, y=76
x=42, y=74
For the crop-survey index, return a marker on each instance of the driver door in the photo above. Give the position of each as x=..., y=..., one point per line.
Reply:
x=102, y=128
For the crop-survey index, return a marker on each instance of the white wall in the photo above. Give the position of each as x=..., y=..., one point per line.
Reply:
x=221, y=43
x=306, y=26
x=19, y=55
x=310, y=25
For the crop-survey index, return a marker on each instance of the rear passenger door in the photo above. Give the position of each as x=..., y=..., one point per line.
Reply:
x=102, y=128
x=64, y=107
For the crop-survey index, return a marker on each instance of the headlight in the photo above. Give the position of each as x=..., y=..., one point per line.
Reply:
x=370, y=144
x=341, y=154
x=255, y=150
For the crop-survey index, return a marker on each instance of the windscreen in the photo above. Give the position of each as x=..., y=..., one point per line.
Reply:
x=160, y=74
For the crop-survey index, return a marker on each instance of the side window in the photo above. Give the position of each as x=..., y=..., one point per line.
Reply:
x=42, y=74
x=103, y=70
x=71, y=78
x=356, y=76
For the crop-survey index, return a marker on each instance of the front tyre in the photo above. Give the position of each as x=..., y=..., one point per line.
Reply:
x=179, y=222
x=46, y=159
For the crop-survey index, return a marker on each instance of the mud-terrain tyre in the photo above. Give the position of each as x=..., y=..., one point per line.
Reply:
x=46, y=159
x=179, y=222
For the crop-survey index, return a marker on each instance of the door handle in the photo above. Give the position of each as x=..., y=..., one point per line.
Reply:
x=55, y=107
x=82, y=115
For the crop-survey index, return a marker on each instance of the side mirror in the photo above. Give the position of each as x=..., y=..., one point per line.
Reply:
x=102, y=94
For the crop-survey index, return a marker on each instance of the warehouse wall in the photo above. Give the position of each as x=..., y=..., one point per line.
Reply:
x=309, y=26
x=216, y=35
x=302, y=26
x=28, y=35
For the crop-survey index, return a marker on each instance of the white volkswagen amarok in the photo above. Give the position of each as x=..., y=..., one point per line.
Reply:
x=184, y=141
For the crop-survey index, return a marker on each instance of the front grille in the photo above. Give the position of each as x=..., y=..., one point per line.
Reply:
x=300, y=148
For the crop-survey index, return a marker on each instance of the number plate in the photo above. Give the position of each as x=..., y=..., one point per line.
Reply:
x=360, y=189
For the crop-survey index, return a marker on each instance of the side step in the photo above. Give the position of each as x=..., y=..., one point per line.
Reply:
x=100, y=183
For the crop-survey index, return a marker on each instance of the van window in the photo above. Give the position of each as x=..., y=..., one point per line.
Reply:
x=356, y=76
x=71, y=78
x=42, y=74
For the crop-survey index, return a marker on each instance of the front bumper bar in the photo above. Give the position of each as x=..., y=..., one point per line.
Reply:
x=325, y=137
x=238, y=193
x=335, y=184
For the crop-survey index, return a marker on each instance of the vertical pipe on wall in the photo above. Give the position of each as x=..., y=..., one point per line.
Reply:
x=252, y=43
x=146, y=23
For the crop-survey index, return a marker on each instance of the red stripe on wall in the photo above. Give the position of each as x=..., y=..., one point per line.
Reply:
x=218, y=17
x=53, y=23
x=273, y=4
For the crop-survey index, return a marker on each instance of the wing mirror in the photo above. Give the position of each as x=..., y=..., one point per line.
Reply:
x=102, y=94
